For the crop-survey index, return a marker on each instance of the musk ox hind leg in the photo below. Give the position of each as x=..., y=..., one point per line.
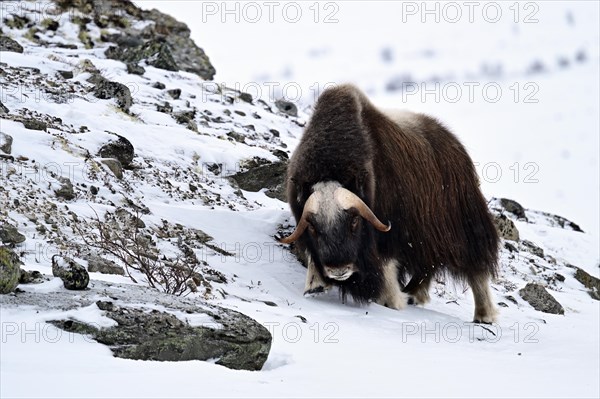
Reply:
x=391, y=295
x=314, y=282
x=418, y=290
x=485, y=312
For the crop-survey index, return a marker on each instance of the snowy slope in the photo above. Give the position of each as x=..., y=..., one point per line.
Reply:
x=321, y=347
x=545, y=117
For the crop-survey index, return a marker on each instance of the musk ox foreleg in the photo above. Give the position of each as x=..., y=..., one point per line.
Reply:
x=485, y=312
x=391, y=295
x=314, y=281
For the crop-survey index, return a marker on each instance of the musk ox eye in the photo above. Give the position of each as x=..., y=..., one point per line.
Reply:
x=355, y=222
x=312, y=230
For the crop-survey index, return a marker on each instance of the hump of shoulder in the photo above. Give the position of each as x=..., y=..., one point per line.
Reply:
x=344, y=97
x=407, y=120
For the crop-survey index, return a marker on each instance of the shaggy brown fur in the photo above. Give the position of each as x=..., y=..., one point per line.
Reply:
x=414, y=173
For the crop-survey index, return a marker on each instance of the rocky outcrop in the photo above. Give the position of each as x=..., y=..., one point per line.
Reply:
x=184, y=329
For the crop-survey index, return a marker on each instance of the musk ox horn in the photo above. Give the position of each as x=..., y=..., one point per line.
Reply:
x=347, y=199
x=311, y=206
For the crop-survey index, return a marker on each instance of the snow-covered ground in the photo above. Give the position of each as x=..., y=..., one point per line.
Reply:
x=322, y=347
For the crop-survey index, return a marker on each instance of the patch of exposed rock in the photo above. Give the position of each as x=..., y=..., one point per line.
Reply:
x=183, y=328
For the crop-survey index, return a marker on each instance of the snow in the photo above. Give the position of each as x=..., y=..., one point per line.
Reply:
x=340, y=350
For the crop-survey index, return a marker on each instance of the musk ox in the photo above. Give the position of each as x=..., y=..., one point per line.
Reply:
x=382, y=198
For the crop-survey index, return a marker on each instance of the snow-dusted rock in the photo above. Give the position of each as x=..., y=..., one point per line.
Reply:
x=538, y=297
x=73, y=275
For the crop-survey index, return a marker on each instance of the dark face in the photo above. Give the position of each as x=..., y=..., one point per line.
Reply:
x=336, y=237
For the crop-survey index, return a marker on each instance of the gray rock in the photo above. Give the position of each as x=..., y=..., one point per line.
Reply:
x=513, y=207
x=8, y=44
x=286, y=107
x=66, y=74
x=9, y=271
x=533, y=248
x=120, y=149
x=10, y=235
x=165, y=108
x=506, y=228
x=588, y=281
x=105, y=89
x=3, y=109
x=541, y=300
x=237, y=341
x=135, y=69
x=159, y=86
x=33, y=277
x=6, y=143
x=66, y=190
x=270, y=176
x=115, y=166
x=35, y=124
x=174, y=93
x=73, y=275
x=156, y=53
x=98, y=264
x=246, y=97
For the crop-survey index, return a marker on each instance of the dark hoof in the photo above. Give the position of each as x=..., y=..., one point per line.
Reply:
x=482, y=322
x=411, y=301
x=314, y=291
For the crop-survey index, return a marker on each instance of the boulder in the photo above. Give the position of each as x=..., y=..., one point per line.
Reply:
x=66, y=190
x=8, y=44
x=588, y=281
x=73, y=275
x=6, y=143
x=98, y=264
x=10, y=235
x=506, y=228
x=120, y=149
x=286, y=107
x=9, y=271
x=541, y=300
x=105, y=89
x=513, y=207
x=270, y=176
